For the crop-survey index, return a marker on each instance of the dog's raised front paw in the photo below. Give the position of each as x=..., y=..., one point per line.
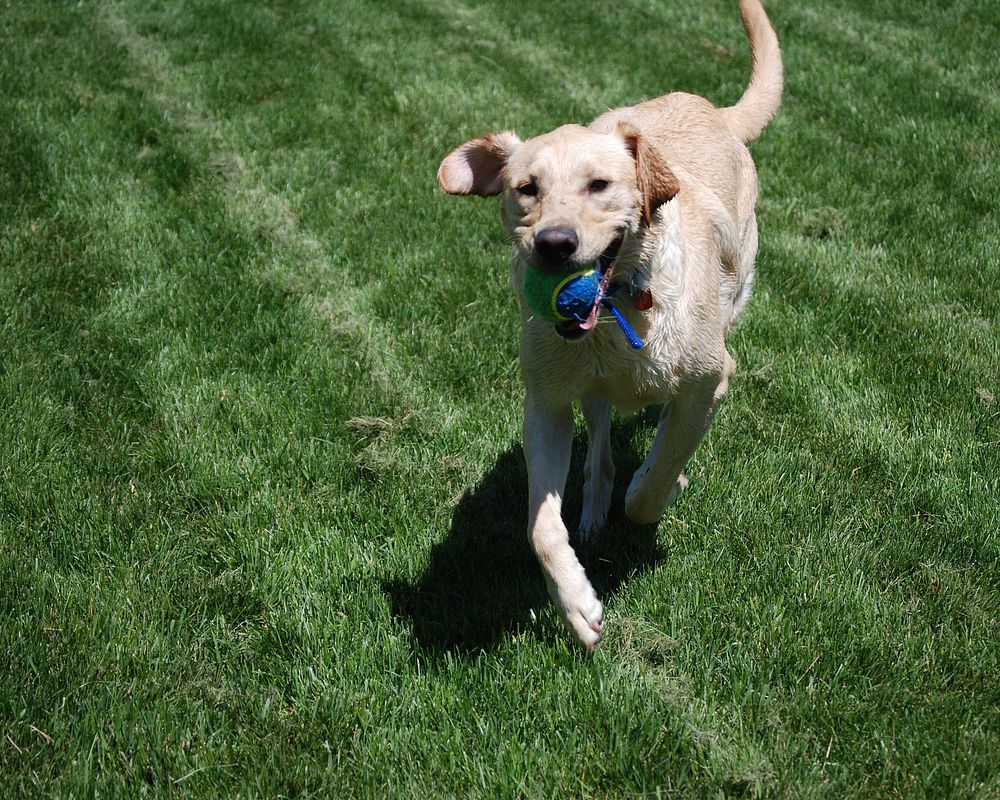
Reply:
x=645, y=504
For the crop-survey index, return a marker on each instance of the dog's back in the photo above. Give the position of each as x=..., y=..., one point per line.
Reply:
x=706, y=146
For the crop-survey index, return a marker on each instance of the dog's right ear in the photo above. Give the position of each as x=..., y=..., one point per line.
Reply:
x=656, y=181
x=476, y=167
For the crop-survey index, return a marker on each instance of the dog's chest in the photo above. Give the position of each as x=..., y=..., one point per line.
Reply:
x=603, y=365
x=631, y=380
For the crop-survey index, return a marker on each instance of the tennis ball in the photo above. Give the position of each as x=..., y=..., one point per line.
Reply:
x=561, y=296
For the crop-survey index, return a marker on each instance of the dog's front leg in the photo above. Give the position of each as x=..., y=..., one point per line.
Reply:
x=683, y=423
x=548, y=439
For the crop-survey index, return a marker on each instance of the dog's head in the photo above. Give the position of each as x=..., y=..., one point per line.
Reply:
x=569, y=196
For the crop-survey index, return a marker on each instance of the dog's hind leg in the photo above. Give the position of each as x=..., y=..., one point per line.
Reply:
x=745, y=274
x=683, y=423
x=548, y=440
x=599, y=469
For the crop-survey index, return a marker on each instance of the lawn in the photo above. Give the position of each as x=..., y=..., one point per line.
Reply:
x=262, y=499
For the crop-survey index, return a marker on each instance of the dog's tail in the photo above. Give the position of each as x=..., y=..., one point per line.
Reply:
x=763, y=96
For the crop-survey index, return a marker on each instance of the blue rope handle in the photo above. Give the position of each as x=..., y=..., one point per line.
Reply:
x=633, y=339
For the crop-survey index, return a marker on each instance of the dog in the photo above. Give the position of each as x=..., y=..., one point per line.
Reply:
x=659, y=197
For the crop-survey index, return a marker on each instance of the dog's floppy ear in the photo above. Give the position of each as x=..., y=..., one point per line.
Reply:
x=476, y=167
x=657, y=183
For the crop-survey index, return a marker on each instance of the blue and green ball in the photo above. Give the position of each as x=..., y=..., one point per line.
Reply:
x=561, y=296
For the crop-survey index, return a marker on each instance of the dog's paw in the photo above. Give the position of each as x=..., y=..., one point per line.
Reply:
x=585, y=617
x=596, y=502
x=594, y=518
x=675, y=491
x=645, y=504
x=581, y=611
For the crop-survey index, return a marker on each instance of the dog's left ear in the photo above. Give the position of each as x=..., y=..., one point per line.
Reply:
x=657, y=183
x=476, y=167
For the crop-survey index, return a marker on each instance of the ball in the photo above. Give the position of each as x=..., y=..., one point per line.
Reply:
x=561, y=296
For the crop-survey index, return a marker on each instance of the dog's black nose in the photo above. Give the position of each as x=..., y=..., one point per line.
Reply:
x=555, y=245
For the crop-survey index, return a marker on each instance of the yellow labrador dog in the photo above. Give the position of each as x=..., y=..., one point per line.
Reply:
x=659, y=197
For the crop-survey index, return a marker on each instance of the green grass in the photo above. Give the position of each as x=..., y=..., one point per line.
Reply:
x=261, y=494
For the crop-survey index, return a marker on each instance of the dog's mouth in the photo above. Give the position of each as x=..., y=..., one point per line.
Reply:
x=574, y=329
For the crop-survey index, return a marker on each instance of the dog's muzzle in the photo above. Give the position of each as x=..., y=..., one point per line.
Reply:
x=556, y=245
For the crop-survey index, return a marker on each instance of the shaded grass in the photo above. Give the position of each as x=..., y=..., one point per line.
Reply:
x=261, y=497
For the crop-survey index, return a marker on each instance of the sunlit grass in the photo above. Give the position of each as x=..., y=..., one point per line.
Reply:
x=261, y=493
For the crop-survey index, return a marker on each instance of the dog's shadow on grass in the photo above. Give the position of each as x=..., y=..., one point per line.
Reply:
x=482, y=582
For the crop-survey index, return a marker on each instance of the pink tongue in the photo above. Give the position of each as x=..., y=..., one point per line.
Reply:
x=591, y=319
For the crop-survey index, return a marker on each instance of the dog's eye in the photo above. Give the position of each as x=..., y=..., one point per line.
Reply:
x=529, y=189
x=598, y=185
